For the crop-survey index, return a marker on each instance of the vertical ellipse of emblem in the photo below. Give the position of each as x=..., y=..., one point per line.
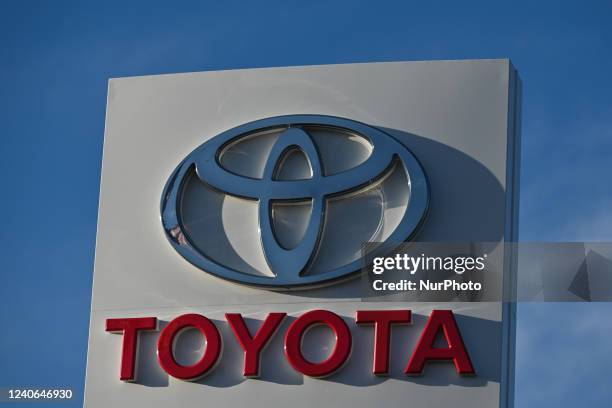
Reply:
x=288, y=264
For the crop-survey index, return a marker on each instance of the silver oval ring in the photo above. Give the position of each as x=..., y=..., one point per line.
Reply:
x=290, y=266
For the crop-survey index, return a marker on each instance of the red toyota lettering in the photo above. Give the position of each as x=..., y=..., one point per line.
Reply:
x=425, y=350
x=339, y=355
x=165, y=343
x=130, y=328
x=253, y=346
x=382, y=320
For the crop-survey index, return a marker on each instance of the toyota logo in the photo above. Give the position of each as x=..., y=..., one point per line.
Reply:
x=303, y=167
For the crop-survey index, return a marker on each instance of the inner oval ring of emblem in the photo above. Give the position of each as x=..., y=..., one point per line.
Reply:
x=289, y=266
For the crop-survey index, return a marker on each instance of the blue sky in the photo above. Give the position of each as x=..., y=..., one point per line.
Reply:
x=55, y=60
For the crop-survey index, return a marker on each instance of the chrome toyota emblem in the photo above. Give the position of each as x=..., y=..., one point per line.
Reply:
x=309, y=168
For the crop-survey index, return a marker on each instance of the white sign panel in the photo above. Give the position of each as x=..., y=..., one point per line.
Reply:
x=234, y=206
